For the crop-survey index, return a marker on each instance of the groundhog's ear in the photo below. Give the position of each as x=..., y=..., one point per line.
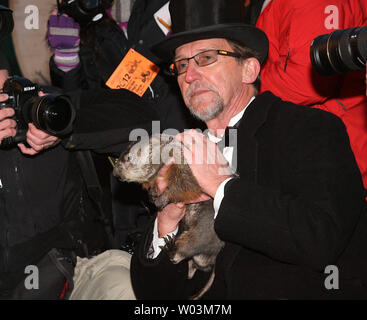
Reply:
x=170, y=139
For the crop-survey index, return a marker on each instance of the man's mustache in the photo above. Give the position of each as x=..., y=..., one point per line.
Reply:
x=196, y=86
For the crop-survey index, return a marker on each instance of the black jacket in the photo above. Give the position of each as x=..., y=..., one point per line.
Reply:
x=37, y=196
x=297, y=207
x=44, y=201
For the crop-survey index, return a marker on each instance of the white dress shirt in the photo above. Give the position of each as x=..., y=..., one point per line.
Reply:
x=228, y=154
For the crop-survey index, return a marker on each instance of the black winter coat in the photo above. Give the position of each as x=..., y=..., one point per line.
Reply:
x=44, y=203
x=297, y=207
x=37, y=194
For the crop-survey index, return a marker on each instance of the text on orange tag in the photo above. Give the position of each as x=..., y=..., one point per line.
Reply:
x=134, y=73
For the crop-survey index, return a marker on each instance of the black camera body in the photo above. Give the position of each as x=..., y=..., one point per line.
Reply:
x=340, y=51
x=83, y=11
x=52, y=113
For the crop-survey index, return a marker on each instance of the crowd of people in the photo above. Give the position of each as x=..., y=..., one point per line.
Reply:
x=289, y=198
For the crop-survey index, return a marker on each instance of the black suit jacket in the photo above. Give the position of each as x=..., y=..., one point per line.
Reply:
x=296, y=207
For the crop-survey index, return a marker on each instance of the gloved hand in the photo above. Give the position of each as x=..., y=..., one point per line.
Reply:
x=63, y=37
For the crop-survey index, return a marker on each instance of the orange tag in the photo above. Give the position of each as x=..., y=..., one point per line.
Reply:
x=134, y=73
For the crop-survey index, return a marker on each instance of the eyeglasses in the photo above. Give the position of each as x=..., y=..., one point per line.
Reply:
x=202, y=59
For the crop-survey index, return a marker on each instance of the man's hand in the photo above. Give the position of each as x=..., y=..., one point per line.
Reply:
x=38, y=140
x=207, y=163
x=169, y=218
x=7, y=126
x=162, y=182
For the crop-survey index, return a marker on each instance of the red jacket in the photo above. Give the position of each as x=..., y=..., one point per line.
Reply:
x=291, y=25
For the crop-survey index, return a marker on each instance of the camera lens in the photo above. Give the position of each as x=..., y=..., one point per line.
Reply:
x=319, y=55
x=362, y=44
x=52, y=113
x=89, y=5
x=340, y=51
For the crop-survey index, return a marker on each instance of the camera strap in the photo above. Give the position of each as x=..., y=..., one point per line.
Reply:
x=94, y=189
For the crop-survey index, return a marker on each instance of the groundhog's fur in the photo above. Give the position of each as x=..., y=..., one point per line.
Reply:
x=198, y=242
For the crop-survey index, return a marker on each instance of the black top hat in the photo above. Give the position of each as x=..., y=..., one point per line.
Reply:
x=204, y=19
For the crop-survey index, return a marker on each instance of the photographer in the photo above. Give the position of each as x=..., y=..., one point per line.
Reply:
x=37, y=140
x=48, y=214
x=40, y=201
x=291, y=26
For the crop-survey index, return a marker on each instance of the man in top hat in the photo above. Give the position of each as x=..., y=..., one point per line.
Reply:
x=293, y=217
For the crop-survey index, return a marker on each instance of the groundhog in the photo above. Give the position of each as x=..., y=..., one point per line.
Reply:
x=197, y=241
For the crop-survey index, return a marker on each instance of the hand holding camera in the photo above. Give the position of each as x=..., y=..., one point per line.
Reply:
x=7, y=125
x=39, y=119
x=37, y=140
x=27, y=116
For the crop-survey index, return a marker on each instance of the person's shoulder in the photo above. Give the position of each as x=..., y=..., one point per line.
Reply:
x=287, y=112
x=299, y=110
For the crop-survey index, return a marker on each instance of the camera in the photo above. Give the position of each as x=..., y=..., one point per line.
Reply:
x=53, y=113
x=6, y=22
x=340, y=51
x=83, y=11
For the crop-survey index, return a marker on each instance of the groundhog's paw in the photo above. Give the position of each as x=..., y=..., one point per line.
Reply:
x=177, y=258
x=170, y=242
x=170, y=246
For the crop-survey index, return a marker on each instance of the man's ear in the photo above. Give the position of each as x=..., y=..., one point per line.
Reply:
x=250, y=70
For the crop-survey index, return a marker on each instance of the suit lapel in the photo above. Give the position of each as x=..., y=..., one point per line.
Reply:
x=255, y=116
x=247, y=162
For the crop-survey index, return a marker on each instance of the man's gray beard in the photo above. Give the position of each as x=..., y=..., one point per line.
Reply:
x=214, y=110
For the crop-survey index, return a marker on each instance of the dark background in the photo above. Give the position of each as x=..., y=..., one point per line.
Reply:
x=7, y=48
